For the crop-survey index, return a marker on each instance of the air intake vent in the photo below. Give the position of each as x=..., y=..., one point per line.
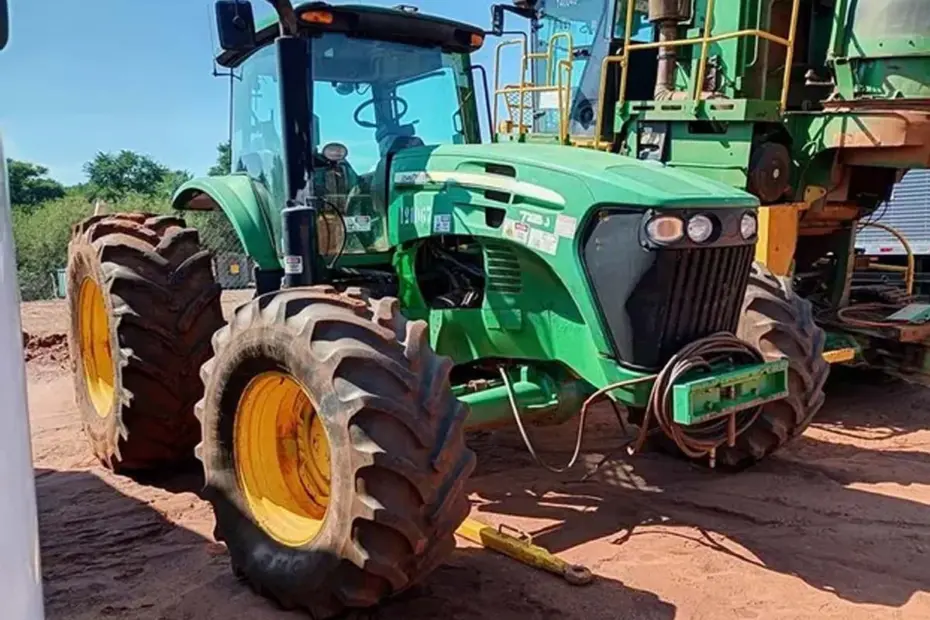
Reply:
x=503, y=269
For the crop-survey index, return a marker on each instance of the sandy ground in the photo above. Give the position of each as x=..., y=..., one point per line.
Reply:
x=836, y=526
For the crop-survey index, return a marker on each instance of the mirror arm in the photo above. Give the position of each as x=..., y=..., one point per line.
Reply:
x=498, y=12
x=287, y=18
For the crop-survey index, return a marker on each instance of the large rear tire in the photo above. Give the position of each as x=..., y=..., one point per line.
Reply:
x=333, y=449
x=780, y=323
x=143, y=304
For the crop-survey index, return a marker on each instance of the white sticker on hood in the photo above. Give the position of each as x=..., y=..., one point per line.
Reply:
x=565, y=226
x=544, y=241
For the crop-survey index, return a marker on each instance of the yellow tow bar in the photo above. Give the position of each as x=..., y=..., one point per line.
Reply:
x=522, y=549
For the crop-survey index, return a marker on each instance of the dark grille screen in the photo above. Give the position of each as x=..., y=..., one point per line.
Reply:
x=684, y=295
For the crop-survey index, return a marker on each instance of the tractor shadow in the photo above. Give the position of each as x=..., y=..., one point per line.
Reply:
x=113, y=548
x=106, y=554
x=478, y=584
x=184, y=477
x=786, y=515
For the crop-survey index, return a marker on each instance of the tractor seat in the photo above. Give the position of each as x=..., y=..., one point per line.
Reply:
x=390, y=145
x=393, y=139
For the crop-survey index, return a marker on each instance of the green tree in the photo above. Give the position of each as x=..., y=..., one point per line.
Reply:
x=113, y=177
x=29, y=185
x=223, y=160
x=42, y=235
x=172, y=181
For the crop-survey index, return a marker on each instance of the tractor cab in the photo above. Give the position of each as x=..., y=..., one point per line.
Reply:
x=379, y=81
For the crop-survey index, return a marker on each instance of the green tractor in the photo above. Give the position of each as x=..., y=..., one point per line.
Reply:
x=412, y=283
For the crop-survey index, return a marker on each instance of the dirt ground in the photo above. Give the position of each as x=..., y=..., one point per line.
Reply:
x=837, y=525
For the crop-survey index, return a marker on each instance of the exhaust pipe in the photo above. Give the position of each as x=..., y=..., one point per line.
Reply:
x=667, y=14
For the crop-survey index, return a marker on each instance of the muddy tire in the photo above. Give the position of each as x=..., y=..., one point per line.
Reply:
x=396, y=462
x=144, y=305
x=780, y=324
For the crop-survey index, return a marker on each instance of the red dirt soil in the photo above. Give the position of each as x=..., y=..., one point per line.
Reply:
x=836, y=525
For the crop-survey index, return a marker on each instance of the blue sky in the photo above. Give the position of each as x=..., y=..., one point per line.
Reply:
x=104, y=75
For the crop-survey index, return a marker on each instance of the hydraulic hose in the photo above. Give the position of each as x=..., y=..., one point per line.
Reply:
x=694, y=441
x=911, y=268
x=869, y=315
x=872, y=315
x=526, y=438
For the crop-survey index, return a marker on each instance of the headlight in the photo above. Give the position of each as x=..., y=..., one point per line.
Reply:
x=665, y=229
x=748, y=226
x=700, y=228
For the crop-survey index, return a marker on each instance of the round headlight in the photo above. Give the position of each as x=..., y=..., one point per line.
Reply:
x=665, y=229
x=748, y=226
x=700, y=228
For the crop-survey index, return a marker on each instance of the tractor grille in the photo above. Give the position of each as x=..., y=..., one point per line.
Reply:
x=685, y=295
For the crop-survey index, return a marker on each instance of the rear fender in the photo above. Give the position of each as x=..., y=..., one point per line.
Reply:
x=236, y=196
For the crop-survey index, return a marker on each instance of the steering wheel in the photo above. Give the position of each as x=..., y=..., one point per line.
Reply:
x=404, y=106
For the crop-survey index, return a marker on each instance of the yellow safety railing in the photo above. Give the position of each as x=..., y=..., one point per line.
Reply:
x=704, y=41
x=558, y=72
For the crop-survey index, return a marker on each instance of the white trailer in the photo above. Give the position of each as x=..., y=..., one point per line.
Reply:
x=908, y=212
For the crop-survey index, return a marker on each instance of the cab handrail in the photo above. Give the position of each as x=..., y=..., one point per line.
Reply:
x=554, y=72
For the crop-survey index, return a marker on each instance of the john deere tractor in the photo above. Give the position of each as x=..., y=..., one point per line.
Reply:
x=816, y=107
x=412, y=283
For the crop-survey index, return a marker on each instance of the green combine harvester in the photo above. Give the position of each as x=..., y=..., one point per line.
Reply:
x=816, y=107
x=413, y=283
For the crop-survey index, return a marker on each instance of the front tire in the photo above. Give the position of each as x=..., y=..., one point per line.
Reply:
x=375, y=510
x=143, y=304
x=780, y=323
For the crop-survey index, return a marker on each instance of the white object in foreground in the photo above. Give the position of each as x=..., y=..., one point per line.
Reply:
x=21, y=582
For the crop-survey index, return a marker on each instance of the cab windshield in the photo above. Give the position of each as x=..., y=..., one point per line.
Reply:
x=371, y=99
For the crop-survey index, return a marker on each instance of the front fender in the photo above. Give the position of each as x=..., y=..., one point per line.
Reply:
x=235, y=195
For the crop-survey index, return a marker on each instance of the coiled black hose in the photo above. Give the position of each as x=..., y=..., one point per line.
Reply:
x=703, y=439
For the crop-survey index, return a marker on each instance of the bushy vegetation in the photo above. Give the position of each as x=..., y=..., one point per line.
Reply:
x=44, y=210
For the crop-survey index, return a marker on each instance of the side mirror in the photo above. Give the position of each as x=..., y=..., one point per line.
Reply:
x=497, y=20
x=235, y=24
x=4, y=24
x=523, y=8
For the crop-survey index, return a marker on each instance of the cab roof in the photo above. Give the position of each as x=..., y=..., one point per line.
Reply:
x=373, y=22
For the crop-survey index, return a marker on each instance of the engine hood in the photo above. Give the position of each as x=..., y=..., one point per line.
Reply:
x=564, y=177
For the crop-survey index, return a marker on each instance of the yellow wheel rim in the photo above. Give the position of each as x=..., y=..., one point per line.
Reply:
x=96, y=356
x=282, y=458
